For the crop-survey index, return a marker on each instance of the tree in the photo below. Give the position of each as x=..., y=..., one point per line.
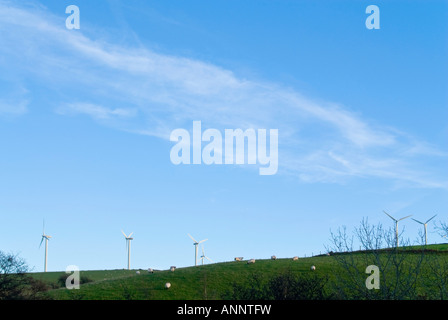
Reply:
x=291, y=286
x=400, y=268
x=286, y=285
x=15, y=284
x=442, y=228
x=254, y=288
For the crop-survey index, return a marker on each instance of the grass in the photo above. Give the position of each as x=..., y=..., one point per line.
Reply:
x=95, y=275
x=193, y=283
x=210, y=281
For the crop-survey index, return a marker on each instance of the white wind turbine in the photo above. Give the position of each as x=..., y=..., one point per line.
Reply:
x=425, y=225
x=128, y=245
x=196, y=243
x=396, y=224
x=204, y=256
x=46, y=237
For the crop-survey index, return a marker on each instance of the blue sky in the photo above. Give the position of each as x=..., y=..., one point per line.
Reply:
x=86, y=116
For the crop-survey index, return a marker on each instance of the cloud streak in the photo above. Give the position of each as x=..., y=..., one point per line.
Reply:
x=95, y=111
x=145, y=92
x=13, y=108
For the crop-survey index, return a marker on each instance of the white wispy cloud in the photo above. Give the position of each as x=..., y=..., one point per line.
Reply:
x=95, y=111
x=145, y=92
x=13, y=107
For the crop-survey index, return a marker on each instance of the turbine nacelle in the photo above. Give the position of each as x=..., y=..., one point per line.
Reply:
x=196, y=243
x=128, y=245
x=396, y=225
x=204, y=256
x=424, y=223
x=46, y=237
x=396, y=219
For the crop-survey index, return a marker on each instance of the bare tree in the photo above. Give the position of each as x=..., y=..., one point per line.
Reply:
x=15, y=284
x=399, y=268
x=442, y=229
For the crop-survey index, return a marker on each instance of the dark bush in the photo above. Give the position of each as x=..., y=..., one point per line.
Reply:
x=15, y=284
x=285, y=286
x=63, y=277
x=289, y=286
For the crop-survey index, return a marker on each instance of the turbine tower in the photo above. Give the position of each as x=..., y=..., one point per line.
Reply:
x=396, y=224
x=46, y=237
x=204, y=256
x=425, y=225
x=196, y=243
x=128, y=245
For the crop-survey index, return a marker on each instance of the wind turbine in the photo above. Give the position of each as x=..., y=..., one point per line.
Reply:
x=396, y=224
x=46, y=237
x=128, y=245
x=425, y=225
x=196, y=243
x=204, y=256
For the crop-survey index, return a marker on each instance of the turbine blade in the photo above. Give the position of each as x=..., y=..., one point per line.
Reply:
x=390, y=216
x=202, y=240
x=405, y=217
x=417, y=221
x=431, y=218
x=209, y=259
x=124, y=233
x=130, y=234
x=41, y=241
x=192, y=237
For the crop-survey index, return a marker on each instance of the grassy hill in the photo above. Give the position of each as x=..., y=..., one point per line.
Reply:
x=215, y=281
x=202, y=282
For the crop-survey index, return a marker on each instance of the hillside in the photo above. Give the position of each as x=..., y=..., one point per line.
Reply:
x=216, y=281
x=202, y=282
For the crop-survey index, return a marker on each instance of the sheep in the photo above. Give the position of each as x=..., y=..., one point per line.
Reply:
x=295, y=258
x=167, y=285
x=251, y=261
x=273, y=258
x=150, y=270
x=137, y=272
x=239, y=259
x=172, y=268
x=313, y=268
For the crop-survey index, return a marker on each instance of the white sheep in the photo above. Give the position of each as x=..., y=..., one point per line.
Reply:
x=239, y=259
x=172, y=268
x=167, y=285
x=313, y=268
x=150, y=270
x=137, y=272
x=273, y=258
x=251, y=261
x=295, y=258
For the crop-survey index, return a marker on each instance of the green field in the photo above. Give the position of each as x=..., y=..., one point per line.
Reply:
x=201, y=282
x=215, y=281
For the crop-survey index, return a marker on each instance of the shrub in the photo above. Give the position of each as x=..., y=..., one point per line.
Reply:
x=15, y=284
x=63, y=278
x=285, y=286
